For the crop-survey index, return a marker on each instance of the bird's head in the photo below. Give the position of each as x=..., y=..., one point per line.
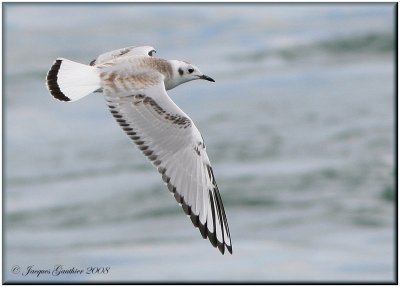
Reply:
x=183, y=72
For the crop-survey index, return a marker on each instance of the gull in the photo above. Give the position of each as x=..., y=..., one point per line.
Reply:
x=134, y=84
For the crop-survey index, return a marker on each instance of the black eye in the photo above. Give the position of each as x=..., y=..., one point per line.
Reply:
x=191, y=70
x=151, y=53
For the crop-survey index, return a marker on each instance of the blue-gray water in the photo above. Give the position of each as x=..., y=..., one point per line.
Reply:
x=299, y=127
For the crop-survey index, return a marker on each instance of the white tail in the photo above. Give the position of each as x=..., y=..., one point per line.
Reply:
x=71, y=81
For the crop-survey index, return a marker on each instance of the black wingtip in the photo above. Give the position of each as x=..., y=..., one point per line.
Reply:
x=205, y=233
x=52, y=84
x=212, y=237
x=229, y=249
x=203, y=230
x=221, y=247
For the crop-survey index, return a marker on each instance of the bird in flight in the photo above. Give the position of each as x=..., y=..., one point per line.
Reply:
x=134, y=84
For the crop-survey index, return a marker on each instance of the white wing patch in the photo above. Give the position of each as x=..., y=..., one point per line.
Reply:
x=171, y=141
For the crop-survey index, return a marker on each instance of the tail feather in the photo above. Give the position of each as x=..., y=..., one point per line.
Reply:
x=70, y=81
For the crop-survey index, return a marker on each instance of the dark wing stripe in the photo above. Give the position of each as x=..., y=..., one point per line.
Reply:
x=124, y=51
x=121, y=52
x=221, y=223
x=180, y=121
x=220, y=208
x=52, y=82
x=188, y=211
x=212, y=234
x=133, y=135
x=219, y=199
x=195, y=220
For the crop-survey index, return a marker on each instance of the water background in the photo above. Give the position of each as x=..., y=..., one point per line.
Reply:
x=299, y=127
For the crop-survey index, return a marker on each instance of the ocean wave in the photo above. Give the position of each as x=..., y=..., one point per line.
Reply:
x=374, y=43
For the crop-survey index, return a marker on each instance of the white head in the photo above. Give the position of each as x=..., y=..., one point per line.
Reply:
x=183, y=72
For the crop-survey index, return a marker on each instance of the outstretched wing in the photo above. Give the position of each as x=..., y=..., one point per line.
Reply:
x=171, y=141
x=122, y=52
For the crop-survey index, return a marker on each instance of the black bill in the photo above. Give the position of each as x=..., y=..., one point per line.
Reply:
x=204, y=77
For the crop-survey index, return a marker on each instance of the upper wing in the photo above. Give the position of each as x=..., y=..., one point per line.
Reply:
x=171, y=141
x=127, y=51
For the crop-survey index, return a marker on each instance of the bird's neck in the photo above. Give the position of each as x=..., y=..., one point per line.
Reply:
x=173, y=79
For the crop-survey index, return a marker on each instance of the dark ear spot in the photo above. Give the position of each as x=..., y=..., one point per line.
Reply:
x=180, y=71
